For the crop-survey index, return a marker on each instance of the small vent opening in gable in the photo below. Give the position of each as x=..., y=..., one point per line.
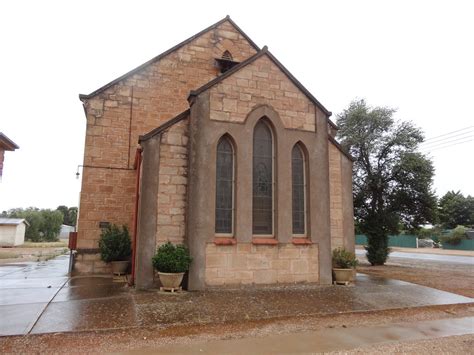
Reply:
x=227, y=56
x=226, y=62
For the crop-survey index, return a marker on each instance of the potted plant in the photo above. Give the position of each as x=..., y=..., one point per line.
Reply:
x=171, y=262
x=343, y=265
x=115, y=248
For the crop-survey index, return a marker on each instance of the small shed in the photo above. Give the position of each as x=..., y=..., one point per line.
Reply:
x=12, y=231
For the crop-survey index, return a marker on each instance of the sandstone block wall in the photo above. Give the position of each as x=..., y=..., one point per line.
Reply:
x=245, y=263
x=173, y=179
x=335, y=197
x=91, y=264
x=134, y=106
x=106, y=195
x=262, y=82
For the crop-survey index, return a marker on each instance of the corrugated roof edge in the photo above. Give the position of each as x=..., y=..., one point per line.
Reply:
x=158, y=57
x=279, y=65
x=164, y=126
x=11, y=221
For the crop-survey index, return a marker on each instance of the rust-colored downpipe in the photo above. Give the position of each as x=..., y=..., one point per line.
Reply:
x=137, y=166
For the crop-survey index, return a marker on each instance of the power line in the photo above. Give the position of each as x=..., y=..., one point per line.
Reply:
x=446, y=134
x=429, y=150
x=445, y=142
x=440, y=140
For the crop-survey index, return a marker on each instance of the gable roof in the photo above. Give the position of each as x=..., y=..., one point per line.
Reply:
x=165, y=53
x=12, y=221
x=164, y=126
x=6, y=143
x=246, y=62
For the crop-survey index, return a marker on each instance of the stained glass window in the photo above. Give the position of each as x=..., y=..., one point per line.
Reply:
x=224, y=186
x=298, y=189
x=262, y=179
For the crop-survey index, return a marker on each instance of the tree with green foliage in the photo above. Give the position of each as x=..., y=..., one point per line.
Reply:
x=44, y=225
x=69, y=214
x=51, y=227
x=454, y=209
x=455, y=236
x=391, y=180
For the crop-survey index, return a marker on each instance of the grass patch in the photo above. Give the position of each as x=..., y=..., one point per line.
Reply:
x=43, y=245
x=8, y=255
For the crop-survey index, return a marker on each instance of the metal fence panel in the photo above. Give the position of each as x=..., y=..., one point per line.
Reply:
x=402, y=241
x=465, y=244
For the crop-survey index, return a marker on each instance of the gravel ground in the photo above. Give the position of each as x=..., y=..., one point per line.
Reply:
x=450, y=345
x=149, y=338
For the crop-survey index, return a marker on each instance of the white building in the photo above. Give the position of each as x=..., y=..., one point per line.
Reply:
x=65, y=230
x=12, y=231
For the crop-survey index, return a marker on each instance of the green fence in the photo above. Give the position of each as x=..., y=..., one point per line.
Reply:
x=465, y=244
x=403, y=241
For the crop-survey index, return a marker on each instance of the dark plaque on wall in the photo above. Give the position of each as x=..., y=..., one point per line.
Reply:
x=104, y=224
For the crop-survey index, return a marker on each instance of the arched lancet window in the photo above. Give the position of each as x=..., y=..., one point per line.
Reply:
x=263, y=179
x=225, y=187
x=298, y=174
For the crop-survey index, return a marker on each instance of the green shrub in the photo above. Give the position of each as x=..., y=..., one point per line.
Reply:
x=172, y=258
x=456, y=235
x=343, y=259
x=43, y=225
x=114, y=244
x=429, y=233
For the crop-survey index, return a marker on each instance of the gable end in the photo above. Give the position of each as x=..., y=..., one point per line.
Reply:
x=162, y=55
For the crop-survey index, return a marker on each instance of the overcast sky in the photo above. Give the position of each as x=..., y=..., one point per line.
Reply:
x=416, y=56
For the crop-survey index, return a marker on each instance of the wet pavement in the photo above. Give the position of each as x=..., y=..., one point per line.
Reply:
x=325, y=340
x=458, y=259
x=40, y=298
x=25, y=291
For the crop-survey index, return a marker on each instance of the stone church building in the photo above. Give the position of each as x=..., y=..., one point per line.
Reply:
x=215, y=144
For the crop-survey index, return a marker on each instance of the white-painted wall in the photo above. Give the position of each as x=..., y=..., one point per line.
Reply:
x=12, y=235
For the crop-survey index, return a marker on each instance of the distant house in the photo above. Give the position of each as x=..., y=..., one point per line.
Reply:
x=12, y=231
x=65, y=230
x=6, y=144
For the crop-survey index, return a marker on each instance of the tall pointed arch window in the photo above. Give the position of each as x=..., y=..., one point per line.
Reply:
x=298, y=175
x=225, y=187
x=263, y=180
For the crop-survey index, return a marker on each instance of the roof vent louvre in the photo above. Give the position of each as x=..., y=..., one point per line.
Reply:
x=227, y=56
x=225, y=62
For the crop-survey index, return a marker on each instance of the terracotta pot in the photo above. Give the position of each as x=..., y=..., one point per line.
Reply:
x=171, y=280
x=343, y=276
x=119, y=267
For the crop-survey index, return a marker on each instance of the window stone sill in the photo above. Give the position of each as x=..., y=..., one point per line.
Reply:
x=264, y=241
x=224, y=241
x=301, y=241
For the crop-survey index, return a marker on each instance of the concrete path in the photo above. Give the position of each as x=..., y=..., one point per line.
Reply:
x=40, y=298
x=458, y=259
x=325, y=340
x=26, y=289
